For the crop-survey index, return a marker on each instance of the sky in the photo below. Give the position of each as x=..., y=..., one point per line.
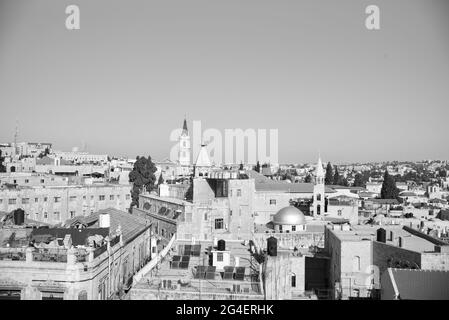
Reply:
x=310, y=69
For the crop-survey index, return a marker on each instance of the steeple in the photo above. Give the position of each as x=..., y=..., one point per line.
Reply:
x=184, y=146
x=185, y=131
x=319, y=168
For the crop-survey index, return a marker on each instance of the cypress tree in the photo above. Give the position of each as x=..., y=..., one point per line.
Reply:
x=337, y=178
x=389, y=189
x=329, y=175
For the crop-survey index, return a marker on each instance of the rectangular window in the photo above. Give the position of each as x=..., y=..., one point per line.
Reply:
x=219, y=223
x=205, y=216
x=42, y=180
x=45, y=199
x=45, y=215
x=84, y=197
x=101, y=198
x=56, y=215
x=57, y=199
x=220, y=256
x=293, y=228
x=239, y=192
x=339, y=212
x=72, y=214
x=111, y=197
x=91, y=197
x=72, y=198
x=27, y=181
x=128, y=197
x=12, y=201
x=36, y=199
x=272, y=201
x=25, y=200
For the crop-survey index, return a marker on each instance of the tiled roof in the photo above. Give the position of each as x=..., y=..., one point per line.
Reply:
x=79, y=236
x=130, y=224
x=421, y=284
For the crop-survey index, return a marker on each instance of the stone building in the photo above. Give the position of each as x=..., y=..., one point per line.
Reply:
x=54, y=204
x=91, y=258
x=358, y=256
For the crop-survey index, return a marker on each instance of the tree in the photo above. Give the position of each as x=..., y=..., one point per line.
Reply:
x=160, y=180
x=329, y=176
x=389, y=189
x=2, y=166
x=358, y=180
x=189, y=192
x=337, y=178
x=308, y=179
x=257, y=167
x=142, y=176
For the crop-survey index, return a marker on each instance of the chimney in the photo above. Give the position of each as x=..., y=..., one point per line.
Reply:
x=105, y=220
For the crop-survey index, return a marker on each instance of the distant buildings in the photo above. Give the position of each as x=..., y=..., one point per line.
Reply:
x=54, y=199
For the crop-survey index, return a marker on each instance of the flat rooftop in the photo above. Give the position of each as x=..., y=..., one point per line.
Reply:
x=409, y=241
x=216, y=282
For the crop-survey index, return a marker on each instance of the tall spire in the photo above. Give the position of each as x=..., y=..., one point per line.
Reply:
x=319, y=168
x=184, y=127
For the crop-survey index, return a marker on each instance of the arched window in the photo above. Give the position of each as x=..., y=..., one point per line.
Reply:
x=293, y=280
x=82, y=295
x=356, y=263
x=318, y=197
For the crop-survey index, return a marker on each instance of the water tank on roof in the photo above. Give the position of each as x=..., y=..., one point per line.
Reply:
x=221, y=245
x=19, y=217
x=272, y=246
x=381, y=235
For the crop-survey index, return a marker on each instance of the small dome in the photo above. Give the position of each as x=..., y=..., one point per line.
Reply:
x=289, y=216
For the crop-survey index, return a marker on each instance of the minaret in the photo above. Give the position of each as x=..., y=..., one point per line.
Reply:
x=319, y=190
x=184, y=146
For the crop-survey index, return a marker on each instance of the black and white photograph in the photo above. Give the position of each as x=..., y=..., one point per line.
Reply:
x=236, y=157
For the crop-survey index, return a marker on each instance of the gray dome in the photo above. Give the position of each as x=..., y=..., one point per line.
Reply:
x=289, y=216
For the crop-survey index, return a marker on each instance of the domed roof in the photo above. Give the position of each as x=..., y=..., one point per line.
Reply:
x=289, y=216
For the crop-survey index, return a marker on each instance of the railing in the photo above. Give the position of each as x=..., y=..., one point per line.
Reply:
x=12, y=254
x=115, y=241
x=42, y=256
x=100, y=250
x=139, y=275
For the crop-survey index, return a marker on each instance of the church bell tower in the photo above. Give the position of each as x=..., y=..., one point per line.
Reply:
x=184, y=146
x=319, y=191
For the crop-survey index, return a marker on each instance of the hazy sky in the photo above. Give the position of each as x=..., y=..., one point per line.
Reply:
x=310, y=68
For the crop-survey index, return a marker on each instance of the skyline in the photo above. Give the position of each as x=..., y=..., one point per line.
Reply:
x=311, y=70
